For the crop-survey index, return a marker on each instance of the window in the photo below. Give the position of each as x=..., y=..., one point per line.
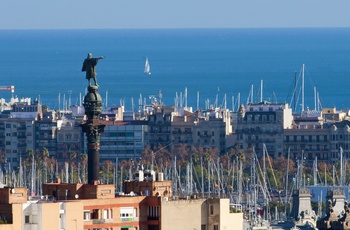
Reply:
x=26, y=219
x=153, y=213
x=216, y=227
x=94, y=214
x=126, y=214
x=211, y=209
x=86, y=215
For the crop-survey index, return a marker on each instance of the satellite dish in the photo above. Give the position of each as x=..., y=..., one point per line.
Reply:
x=76, y=196
x=12, y=190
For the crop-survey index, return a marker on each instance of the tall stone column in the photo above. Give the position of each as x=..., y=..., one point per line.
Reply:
x=93, y=129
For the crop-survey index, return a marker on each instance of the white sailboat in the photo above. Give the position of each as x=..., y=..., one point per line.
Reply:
x=147, y=67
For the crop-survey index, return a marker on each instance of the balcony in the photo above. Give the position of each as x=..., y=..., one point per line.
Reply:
x=102, y=221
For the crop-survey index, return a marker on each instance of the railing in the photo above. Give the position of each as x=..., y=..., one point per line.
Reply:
x=101, y=221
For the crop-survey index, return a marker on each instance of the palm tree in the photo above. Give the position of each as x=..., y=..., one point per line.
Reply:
x=72, y=161
x=107, y=170
x=84, y=160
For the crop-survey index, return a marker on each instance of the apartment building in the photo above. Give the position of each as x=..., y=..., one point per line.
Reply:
x=16, y=138
x=94, y=206
x=263, y=124
x=182, y=129
x=308, y=138
x=159, y=126
x=339, y=140
x=122, y=140
x=210, y=133
x=17, y=133
x=69, y=138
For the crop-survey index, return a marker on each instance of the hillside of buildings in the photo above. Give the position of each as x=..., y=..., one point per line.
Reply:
x=214, y=147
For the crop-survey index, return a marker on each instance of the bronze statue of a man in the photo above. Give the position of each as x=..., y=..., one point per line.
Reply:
x=89, y=67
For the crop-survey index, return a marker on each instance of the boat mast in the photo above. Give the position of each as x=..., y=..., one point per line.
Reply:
x=294, y=92
x=315, y=98
x=315, y=171
x=202, y=189
x=185, y=97
x=106, y=99
x=286, y=199
x=233, y=103
x=325, y=174
x=261, y=90
x=197, y=100
x=302, y=88
x=341, y=166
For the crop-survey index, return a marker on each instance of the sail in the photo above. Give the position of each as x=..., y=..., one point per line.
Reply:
x=147, y=67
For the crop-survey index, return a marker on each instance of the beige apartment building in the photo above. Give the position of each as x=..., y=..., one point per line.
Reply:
x=94, y=206
x=308, y=138
x=262, y=125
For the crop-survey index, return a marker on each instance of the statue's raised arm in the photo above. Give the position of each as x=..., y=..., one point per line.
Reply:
x=89, y=66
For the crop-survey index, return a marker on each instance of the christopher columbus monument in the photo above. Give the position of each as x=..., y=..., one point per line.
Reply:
x=91, y=126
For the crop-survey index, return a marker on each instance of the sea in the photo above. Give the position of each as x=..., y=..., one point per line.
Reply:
x=199, y=68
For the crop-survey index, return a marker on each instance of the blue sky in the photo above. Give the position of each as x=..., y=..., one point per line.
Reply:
x=87, y=14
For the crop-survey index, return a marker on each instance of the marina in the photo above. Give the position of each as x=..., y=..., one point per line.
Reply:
x=244, y=174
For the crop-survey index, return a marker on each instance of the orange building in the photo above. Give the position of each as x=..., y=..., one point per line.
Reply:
x=95, y=207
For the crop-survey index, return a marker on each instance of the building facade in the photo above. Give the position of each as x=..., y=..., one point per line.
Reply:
x=262, y=125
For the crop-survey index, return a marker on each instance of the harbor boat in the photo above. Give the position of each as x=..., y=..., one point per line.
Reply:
x=147, y=67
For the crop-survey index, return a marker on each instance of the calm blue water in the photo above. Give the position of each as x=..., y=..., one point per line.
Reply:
x=44, y=63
